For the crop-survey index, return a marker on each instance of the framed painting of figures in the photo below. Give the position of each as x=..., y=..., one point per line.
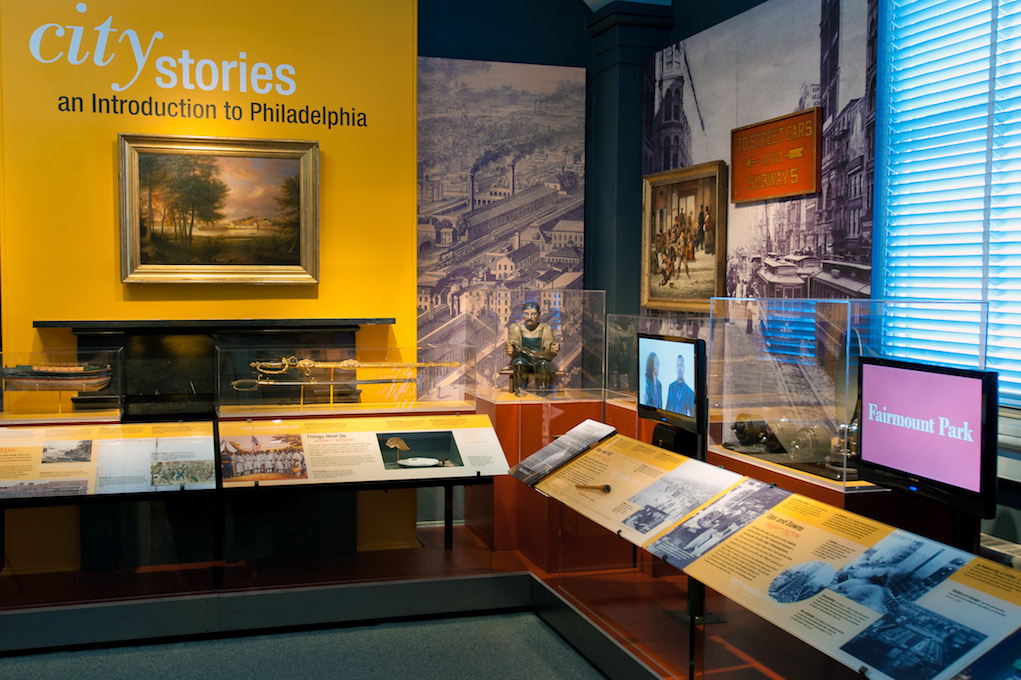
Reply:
x=218, y=210
x=684, y=230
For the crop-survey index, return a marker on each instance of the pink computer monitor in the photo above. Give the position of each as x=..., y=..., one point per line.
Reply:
x=931, y=430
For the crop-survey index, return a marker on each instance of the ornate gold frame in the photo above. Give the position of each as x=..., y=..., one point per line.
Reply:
x=134, y=271
x=707, y=179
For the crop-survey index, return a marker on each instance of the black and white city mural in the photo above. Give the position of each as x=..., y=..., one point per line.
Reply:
x=501, y=185
x=777, y=58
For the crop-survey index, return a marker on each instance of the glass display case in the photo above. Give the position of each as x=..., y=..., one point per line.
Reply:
x=329, y=380
x=551, y=414
x=534, y=340
x=783, y=383
x=622, y=369
x=58, y=386
x=282, y=514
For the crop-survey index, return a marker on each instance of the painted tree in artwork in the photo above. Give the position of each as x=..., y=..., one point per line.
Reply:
x=179, y=191
x=197, y=193
x=292, y=441
x=289, y=201
x=152, y=170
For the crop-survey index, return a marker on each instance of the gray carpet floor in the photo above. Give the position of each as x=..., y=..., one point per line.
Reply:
x=504, y=646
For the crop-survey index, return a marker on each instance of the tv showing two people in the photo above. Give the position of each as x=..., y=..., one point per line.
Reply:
x=669, y=375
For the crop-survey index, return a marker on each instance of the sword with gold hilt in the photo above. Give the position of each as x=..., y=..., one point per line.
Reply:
x=306, y=365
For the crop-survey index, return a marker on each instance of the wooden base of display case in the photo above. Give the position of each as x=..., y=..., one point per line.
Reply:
x=524, y=519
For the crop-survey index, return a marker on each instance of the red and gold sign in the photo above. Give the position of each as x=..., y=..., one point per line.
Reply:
x=780, y=157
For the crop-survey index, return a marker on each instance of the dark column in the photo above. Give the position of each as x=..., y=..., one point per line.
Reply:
x=623, y=34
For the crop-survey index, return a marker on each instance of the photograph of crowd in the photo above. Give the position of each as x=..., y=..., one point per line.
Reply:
x=56, y=487
x=273, y=457
x=175, y=472
x=912, y=643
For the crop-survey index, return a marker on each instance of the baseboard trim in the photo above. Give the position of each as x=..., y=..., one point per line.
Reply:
x=215, y=614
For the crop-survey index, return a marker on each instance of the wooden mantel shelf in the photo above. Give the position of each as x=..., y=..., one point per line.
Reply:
x=206, y=325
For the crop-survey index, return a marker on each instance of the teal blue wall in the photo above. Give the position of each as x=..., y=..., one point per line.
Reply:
x=529, y=31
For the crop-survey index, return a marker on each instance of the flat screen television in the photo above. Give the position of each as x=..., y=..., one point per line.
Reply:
x=929, y=430
x=672, y=385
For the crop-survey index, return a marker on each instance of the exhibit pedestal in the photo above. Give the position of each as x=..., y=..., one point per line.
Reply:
x=525, y=520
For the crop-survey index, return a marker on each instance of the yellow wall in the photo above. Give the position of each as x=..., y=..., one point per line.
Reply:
x=59, y=214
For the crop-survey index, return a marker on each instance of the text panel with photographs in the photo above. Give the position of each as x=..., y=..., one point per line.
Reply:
x=84, y=460
x=845, y=584
x=281, y=452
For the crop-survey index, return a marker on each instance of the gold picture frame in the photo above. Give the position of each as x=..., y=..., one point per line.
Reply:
x=218, y=210
x=684, y=237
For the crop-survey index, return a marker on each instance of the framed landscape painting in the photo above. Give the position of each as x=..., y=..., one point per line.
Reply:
x=684, y=231
x=218, y=210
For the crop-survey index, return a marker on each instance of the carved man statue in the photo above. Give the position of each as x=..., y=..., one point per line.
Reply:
x=530, y=345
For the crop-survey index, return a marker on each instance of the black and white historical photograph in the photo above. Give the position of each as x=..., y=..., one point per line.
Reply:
x=900, y=568
x=818, y=246
x=501, y=185
x=578, y=439
x=37, y=489
x=717, y=521
x=792, y=351
x=676, y=494
x=801, y=582
x=76, y=451
x=912, y=643
x=622, y=366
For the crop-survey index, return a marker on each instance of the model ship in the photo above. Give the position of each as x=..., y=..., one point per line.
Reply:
x=57, y=377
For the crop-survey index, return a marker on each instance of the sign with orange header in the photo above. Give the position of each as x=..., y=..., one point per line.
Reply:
x=777, y=158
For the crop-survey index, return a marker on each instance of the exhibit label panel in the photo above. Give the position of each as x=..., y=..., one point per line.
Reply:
x=871, y=596
x=864, y=593
x=49, y=462
x=634, y=488
x=267, y=452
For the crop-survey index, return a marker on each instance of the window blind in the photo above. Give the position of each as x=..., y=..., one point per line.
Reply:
x=949, y=208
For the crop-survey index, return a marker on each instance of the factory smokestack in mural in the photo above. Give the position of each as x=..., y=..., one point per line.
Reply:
x=477, y=121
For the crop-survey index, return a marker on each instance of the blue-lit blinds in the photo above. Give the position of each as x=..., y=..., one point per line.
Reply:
x=951, y=166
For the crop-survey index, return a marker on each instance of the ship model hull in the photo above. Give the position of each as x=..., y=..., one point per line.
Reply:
x=52, y=378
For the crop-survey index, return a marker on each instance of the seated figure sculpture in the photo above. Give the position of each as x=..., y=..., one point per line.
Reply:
x=531, y=346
